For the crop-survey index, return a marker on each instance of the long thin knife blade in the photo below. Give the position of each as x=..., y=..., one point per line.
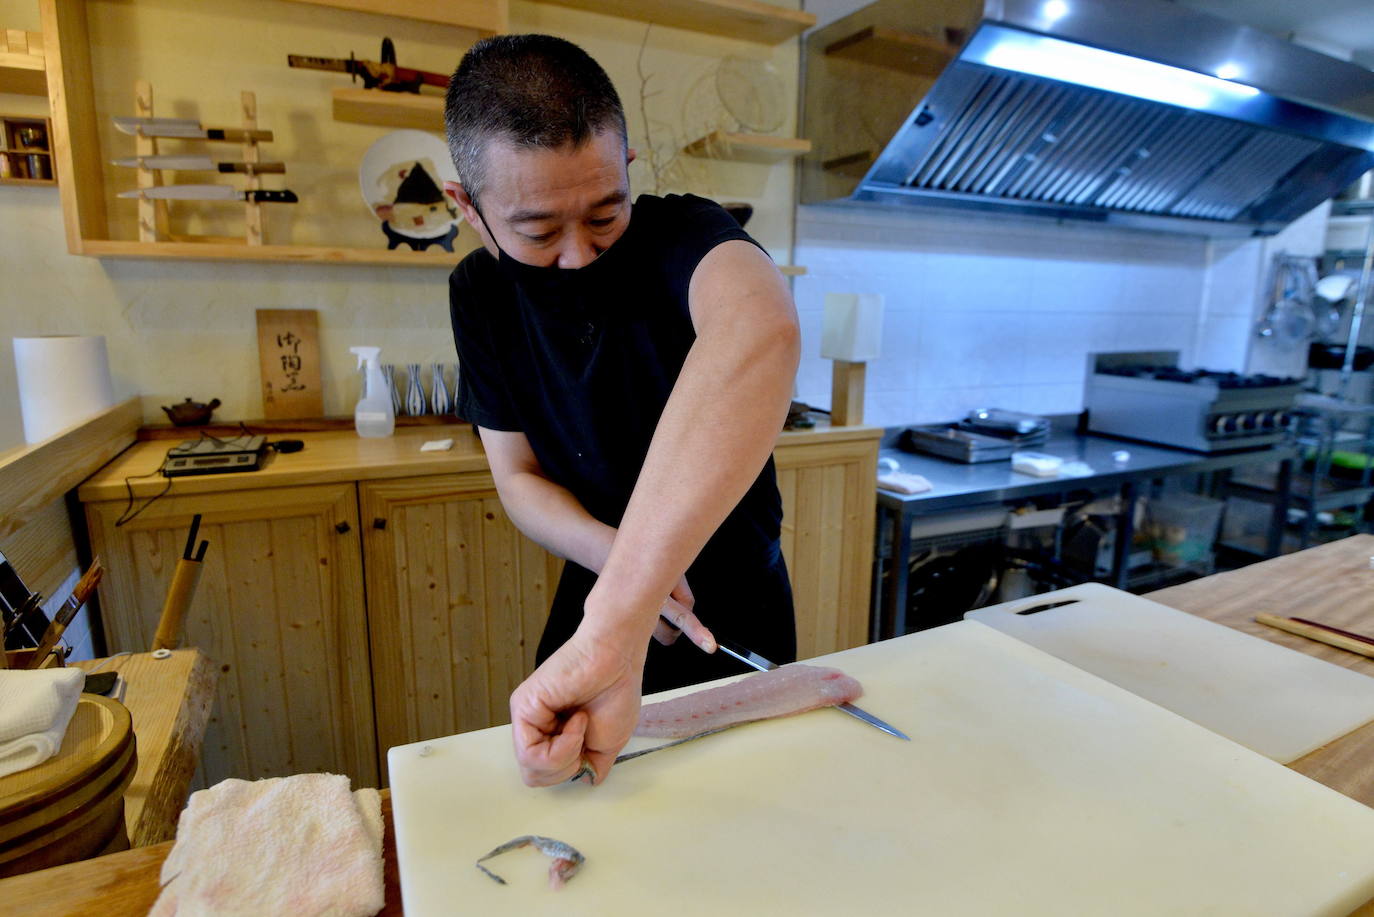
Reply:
x=186, y=128
x=211, y=193
x=199, y=164
x=754, y=660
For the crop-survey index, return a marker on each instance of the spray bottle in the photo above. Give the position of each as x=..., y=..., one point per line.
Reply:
x=373, y=416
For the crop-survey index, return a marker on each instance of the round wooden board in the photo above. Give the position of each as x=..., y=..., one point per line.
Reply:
x=52, y=813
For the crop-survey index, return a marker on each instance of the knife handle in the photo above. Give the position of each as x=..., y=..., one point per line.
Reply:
x=252, y=168
x=272, y=197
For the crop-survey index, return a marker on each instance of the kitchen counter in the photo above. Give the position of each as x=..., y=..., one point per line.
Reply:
x=338, y=456
x=1331, y=583
x=959, y=486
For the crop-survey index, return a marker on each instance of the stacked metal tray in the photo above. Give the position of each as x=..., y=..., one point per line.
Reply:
x=957, y=445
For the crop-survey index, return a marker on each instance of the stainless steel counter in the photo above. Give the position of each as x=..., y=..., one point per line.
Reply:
x=956, y=486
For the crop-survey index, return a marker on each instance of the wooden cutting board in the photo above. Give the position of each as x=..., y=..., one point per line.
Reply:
x=1271, y=699
x=1029, y=787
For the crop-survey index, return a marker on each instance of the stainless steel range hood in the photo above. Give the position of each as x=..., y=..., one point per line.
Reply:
x=1133, y=112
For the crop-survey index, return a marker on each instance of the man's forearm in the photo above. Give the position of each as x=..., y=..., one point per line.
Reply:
x=716, y=432
x=550, y=515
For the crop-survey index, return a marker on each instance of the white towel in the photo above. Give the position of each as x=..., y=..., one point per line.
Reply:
x=297, y=846
x=35, y=707
x=903, y=482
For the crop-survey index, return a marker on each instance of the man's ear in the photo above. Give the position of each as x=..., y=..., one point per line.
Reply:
x=460, y=197
x=629, y=155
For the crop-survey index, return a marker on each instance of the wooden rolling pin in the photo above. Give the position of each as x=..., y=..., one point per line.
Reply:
x=185, y=578
x=1332, y=636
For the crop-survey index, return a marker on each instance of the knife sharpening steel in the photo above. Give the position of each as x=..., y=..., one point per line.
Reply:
x=208, y=456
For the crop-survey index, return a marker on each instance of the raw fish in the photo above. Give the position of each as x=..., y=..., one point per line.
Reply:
x=781, y=692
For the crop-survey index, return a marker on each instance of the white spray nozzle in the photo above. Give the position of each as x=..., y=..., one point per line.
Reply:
x=365, y=354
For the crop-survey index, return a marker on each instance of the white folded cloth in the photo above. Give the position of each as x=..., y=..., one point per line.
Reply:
x=298, y=846
x=903, y=482
x=35, y=707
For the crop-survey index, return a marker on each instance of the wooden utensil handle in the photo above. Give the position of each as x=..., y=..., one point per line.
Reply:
x=179, y=595
x=1316, y=633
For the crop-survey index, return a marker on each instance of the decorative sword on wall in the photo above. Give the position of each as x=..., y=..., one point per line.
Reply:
x=383, y=74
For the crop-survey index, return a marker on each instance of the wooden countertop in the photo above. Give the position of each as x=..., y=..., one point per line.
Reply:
x=169, y=700
x=337, y=456
x=1332, y=583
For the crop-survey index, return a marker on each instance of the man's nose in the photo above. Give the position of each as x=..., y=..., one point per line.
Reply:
x=578, y=251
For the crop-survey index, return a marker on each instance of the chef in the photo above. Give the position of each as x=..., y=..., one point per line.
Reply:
x=628, y=365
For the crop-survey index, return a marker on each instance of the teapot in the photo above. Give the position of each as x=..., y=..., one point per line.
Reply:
x=191, y=413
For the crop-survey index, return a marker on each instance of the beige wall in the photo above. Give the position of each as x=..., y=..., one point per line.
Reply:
x=187, y=328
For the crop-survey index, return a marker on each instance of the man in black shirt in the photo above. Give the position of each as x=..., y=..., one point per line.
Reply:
x=629, y=368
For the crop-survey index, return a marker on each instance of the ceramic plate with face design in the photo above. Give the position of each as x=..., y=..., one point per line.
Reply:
x=402, y=179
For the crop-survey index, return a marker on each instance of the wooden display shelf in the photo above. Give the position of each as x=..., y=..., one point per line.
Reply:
x=230, y=251
x=489, y=17
x=896, y=50
x=22, y=63
x=389, y=109
x=749, y=20
x=747, y=147
x=19, y=161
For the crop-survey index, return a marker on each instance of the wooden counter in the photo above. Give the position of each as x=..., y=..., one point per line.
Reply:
x=336, y=456
x=1333, y=584
x=360, y=593
x=169, y=700
x=1330, y=583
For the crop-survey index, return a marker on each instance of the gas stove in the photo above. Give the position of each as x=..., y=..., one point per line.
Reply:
x=1146, y=396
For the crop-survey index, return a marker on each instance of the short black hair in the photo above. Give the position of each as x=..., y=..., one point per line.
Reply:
x=530, y=90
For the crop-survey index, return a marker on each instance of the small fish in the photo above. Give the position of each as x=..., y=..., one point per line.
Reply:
x=566, y=858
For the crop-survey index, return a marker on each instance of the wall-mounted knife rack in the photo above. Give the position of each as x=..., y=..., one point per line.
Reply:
x=153, y=223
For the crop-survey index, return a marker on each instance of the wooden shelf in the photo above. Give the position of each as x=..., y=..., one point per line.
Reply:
x=747, y=147
x=22, y=63
x=896, y=50
x=749, y=20
x=298, y=254
x=389, y=109
x=791, y=270
x=489, y=17
x=33, y=182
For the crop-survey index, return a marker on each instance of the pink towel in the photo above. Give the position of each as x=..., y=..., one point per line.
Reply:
x=298, y=846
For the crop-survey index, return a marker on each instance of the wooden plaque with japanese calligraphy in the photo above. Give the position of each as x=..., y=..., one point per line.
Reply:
x=289, y=355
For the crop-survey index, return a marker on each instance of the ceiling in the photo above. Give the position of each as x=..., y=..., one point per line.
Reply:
x=1344, y=24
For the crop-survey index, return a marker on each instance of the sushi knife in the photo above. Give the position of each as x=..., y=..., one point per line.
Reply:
x=756, y=661
x=187, y=128
x=200, y=164
x=211, y=193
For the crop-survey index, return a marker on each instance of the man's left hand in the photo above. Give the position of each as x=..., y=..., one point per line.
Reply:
x=677, y=618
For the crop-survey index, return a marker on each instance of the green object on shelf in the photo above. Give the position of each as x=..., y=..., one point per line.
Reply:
x=1355, y=461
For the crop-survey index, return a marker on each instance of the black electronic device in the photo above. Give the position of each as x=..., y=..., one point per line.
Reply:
x=214, y=456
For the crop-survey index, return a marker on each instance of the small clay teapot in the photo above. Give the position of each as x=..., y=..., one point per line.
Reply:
x=191, y=413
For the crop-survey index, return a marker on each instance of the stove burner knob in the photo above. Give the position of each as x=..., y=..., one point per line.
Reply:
x=1219, y=424
x=1250, y=422
x=1230, y=423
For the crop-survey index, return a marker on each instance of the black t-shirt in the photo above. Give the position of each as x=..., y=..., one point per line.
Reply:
x=582, y=362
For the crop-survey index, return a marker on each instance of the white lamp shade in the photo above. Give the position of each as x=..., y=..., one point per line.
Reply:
x=853, y=327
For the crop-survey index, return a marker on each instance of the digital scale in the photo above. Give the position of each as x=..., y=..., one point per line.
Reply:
x=214, y=456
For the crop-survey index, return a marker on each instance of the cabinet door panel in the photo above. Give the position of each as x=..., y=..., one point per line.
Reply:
x=279, y=608
x=827, y=540
x=457, y=599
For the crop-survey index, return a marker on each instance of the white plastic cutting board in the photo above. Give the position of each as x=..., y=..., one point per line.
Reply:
x=1029, y=787
x=1274, y=700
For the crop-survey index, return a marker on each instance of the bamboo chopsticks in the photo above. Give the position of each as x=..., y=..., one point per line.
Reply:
x=1324, y=633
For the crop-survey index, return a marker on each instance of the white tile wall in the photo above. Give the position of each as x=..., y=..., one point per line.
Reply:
x=1003, y=311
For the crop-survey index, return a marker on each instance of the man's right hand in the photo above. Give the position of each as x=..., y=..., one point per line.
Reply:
x=581, y=705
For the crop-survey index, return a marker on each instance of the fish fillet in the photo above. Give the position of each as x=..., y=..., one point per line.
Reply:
x=781, y=692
